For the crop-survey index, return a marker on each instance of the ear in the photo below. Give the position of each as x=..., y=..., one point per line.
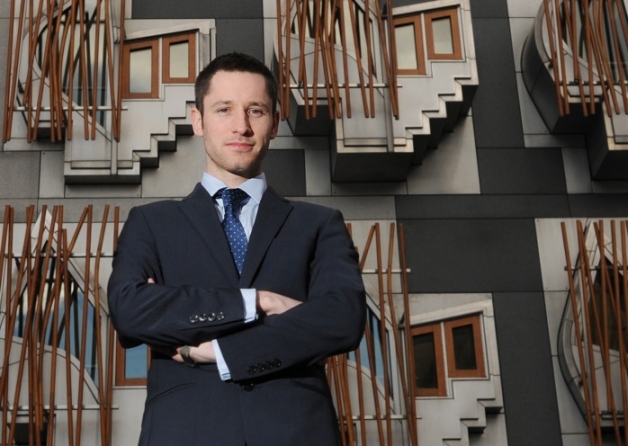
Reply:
x=197, y=121
x=275, y=129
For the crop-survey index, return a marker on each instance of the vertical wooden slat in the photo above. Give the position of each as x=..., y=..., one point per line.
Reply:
x=68, y=347
x=96, y=70
x=616, y=293
x=84, y=320
x=10, y=74
x=61, y=271
x=408, y=401
x=369, y=55
x=7, y=246
x=302, y=14
x=383, y=334
x=554, y=56
x=605, y=345
x=412, y=416
x=98, y=327
x=316, y=19
x=584, y=371
x=392, y=60
x=27, y=268
x=287, y=61
x=585, y=278
x=624, y=270
x=356, y=40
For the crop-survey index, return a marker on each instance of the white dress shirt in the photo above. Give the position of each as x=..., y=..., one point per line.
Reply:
x=255, y=188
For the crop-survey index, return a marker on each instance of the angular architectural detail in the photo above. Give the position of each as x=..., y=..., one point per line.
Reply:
x=339, y=81
x=583, y=86
x=109, y=89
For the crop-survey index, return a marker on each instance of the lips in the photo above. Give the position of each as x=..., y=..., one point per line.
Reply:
x=240, y=145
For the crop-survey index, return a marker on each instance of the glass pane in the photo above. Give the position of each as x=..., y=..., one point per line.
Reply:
x=179, y=60
x=136, y=362
x=425, y=361
x=443, y=39
x=464, y=348
x=406, y=47
x=140, y=70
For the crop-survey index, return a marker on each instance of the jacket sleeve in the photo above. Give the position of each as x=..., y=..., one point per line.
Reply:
x=330, y=321
x=162, y=314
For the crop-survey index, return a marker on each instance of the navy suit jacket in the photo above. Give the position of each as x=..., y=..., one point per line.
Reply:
x=278, y=394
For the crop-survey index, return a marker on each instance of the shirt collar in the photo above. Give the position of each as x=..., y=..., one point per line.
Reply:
x=255, y=187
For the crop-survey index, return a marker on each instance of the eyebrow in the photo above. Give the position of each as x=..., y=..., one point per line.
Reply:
x=221, y=103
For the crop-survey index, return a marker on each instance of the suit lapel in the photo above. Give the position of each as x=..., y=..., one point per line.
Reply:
x=272, y=213
x=199, y=209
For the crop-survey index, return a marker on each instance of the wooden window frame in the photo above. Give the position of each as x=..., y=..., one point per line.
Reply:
x=165, y=51
x=120, y=377
x=153, y=44
x=452, y=13
x=452, y=370
x=418, y=36
x=441, y=389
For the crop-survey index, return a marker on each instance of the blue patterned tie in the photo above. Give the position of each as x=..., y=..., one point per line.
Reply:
x=232, y=200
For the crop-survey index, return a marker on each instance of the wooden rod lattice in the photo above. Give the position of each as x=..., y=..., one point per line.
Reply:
x=50, y=39
x=598, y=300
x=593, y=34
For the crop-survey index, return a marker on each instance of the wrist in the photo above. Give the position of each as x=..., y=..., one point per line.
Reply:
x=187, y=358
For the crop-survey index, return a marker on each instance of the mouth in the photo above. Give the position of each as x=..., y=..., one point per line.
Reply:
x=240, y=146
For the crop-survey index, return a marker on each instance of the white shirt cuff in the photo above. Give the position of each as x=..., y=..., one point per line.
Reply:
x=223, y=370
x=249, y=296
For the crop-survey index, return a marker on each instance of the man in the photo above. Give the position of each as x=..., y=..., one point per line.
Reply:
x=237, y=358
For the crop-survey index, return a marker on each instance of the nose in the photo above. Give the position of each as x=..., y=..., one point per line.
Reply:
x=242, y=124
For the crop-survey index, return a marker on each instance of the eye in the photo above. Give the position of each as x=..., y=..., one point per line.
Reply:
x=256, y=112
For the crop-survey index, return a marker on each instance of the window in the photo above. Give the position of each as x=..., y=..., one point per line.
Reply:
x=443, y=35
x=463, y=356
x=409, y=44
x=442, y=39
x=140, y=70
x=429, y=375
x=179, y=65
x=132, y=365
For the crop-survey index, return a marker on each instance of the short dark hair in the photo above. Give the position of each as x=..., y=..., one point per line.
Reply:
x=233, y=62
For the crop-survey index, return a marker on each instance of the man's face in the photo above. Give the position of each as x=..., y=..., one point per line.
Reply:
x=237, y=125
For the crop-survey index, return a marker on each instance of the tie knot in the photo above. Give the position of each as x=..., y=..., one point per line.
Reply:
x=233, y=197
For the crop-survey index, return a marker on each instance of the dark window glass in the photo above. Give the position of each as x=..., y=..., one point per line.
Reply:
x=464, y=347
x=425, y=361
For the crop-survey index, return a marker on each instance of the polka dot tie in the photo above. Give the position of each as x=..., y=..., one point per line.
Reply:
x=232, y=200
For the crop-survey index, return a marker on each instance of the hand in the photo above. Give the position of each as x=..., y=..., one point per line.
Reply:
x=203, y=354
x=273, y=303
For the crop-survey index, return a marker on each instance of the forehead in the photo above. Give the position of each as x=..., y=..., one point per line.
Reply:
x=237, y=86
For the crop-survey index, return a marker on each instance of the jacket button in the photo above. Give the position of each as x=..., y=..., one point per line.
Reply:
x=247, y=386
x=220, y=316
x=202, y=317
x=253, y=369
x=211, y=317
x=194, y=319
x=276, y=362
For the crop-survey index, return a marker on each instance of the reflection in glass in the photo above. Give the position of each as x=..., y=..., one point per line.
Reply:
x=135, y=363
x=179, y=66
x=443, y=38
x=406, y=47
x=140, y=69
